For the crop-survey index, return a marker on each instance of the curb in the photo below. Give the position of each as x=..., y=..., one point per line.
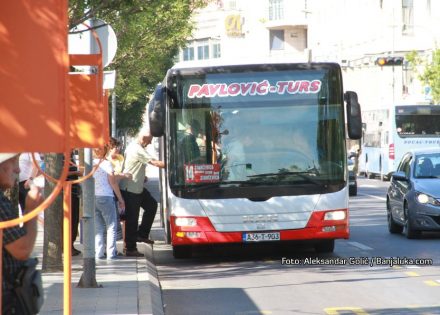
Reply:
x=152, y=304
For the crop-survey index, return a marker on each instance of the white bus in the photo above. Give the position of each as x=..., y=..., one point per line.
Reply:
x=254, y=153
x=390, y=133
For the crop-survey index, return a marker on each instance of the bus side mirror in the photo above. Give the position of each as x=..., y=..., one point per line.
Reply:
x=354, y=118
x=156, y=112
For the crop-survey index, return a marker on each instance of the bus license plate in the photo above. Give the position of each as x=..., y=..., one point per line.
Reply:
x=261, y=237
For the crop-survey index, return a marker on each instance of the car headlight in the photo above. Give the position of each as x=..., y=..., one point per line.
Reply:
x=427, y=199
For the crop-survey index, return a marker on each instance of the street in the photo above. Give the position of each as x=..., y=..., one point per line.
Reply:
x=358, y=278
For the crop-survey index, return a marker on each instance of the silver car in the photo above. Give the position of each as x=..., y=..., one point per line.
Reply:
x=413, y=198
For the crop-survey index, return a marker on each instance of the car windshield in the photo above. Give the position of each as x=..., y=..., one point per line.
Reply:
x=427, y=165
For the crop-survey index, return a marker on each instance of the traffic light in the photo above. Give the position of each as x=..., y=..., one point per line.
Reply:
x=389, y=61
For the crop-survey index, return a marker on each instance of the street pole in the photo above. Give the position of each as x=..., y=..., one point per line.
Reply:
x=392, y=54
x=88, y=277
x=113, y=114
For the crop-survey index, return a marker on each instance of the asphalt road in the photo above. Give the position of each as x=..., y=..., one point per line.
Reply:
x=358, y=278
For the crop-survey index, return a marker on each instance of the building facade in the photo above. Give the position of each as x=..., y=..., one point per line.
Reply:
x=354, y=33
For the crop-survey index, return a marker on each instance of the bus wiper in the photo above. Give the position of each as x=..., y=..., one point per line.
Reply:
x=202, y=187
x=227, y=184
x=307, y=172
x=307, y=175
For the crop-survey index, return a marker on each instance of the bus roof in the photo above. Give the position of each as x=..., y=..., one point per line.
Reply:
x=238, y=62
x=200, y=67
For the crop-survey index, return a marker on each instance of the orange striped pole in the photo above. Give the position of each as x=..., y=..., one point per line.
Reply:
x=1, y=268
x=67, y=249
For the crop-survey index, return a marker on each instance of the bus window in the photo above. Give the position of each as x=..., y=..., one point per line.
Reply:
x=417, y=121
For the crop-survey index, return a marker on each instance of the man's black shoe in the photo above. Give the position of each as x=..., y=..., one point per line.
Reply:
x=144, y=240
x=75, y=252
x=133, y=253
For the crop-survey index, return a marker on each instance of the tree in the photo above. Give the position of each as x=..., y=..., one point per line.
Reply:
x=430, y=74
x=149, y=33
x=53, y=217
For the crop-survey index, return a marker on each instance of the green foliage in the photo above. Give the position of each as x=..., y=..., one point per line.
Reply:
x=413, y=58
x=431, y=73
x=149, y=33
x=432, y=76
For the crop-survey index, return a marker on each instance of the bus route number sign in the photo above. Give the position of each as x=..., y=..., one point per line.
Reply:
x=202, y=173
x=261, y=237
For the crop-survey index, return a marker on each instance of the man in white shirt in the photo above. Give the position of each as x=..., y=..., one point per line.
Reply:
x=136, y=196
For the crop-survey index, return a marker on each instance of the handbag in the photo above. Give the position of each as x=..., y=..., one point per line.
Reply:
x=28, y=287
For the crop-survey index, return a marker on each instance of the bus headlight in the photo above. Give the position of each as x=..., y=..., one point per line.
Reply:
x=335, y=215
x=186, y=222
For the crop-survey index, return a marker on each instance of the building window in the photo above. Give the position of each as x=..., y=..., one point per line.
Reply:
x=276, y=39
x=407, y=16
x=188, y=53
x=202, y=50
x=216, y=52
x=231, y=5
x=276, y=11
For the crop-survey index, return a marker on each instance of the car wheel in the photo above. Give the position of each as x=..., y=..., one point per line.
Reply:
x=353, y=191
x=327, y=246
x=411, y=233
x=393, y=227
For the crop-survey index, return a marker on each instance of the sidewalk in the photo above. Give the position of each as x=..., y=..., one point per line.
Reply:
x=129, y=285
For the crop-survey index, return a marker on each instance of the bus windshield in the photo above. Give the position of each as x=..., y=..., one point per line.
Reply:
x=418, y=121
x=251, y=136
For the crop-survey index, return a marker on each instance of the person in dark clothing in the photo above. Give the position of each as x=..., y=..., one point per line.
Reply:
x=74, y=174
x=18, y=242
x=147, y=202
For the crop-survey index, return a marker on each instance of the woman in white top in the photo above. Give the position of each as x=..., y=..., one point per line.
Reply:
x=105, y=212
x=28, y=171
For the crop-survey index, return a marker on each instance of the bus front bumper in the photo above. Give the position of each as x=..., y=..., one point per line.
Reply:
x=201, y=231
